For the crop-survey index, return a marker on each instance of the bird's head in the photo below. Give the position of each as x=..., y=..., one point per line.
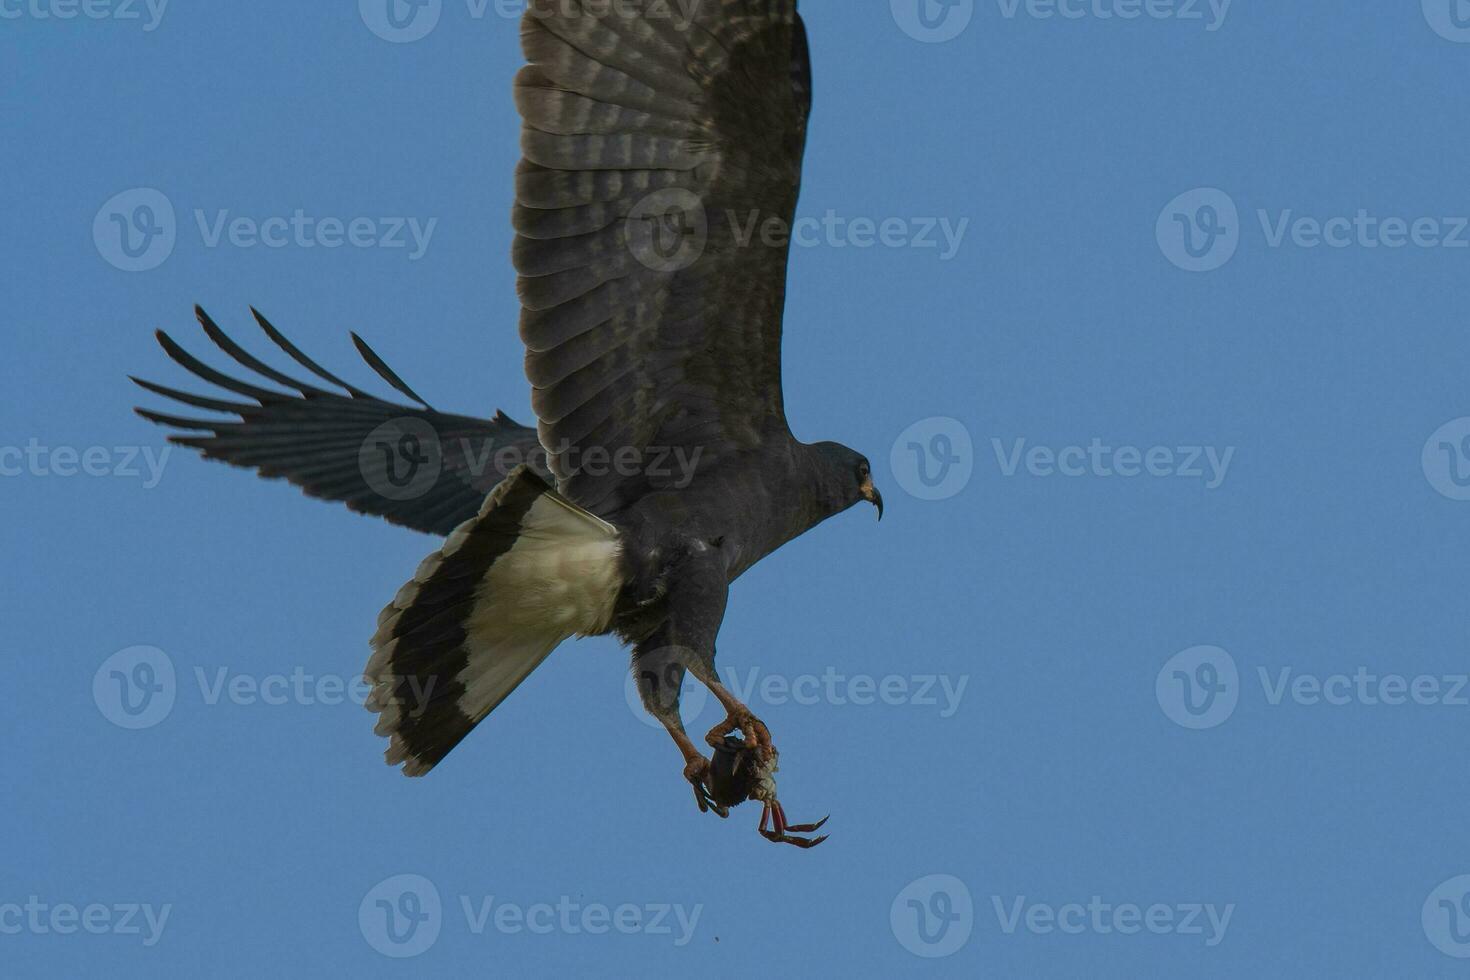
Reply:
x=848, y=476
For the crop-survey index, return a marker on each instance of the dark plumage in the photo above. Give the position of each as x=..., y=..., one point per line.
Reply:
x=315, y=438
x=653, y=333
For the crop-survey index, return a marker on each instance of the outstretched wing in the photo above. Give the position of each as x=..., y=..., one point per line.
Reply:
x=662, y=160
x=416, y=467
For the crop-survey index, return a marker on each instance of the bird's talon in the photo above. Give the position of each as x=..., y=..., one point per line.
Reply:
x=757, y=736
x=697, y=772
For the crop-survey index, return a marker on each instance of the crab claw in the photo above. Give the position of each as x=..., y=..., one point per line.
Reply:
x=783, y=831
x=740, y=772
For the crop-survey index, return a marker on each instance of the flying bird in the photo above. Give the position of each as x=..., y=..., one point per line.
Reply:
x=661, y=466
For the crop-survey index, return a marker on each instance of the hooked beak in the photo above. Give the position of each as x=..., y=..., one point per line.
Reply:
x=871, y=495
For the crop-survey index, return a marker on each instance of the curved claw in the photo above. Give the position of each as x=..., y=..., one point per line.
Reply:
x=696, y=774
x=706, y=805
x=752, y=730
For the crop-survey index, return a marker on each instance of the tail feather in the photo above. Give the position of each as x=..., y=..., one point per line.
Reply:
x=483, y=612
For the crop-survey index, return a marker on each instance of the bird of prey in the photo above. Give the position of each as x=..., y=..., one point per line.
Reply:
x=661, y=466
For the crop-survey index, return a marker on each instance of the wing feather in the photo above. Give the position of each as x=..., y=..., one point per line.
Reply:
x=316, y=438
x=643, y=132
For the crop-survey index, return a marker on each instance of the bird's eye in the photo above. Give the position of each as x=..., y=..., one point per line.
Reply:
x=863, y=471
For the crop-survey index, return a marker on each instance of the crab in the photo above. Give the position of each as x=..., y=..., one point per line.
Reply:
x=740, y=772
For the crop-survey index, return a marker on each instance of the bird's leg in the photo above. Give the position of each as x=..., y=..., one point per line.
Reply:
x=660, y=674
x=737, y=717
x=696, y=766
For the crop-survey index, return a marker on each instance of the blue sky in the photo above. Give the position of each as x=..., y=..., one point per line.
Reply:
x=1155, y=666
